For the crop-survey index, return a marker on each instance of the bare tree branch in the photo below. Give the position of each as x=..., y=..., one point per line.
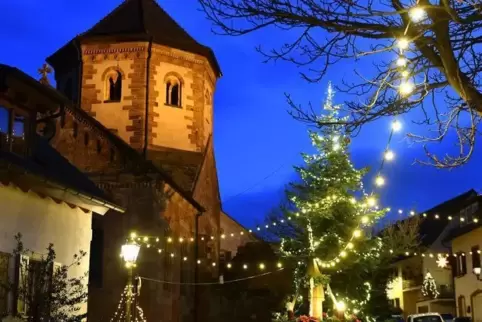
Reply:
x=443, y=59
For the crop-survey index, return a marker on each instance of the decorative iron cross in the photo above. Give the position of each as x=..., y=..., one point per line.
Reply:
x=44, y=71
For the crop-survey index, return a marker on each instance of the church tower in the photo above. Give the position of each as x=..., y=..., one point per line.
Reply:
x=143, y=77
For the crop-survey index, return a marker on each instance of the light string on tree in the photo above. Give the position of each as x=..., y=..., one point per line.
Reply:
x=120, y=313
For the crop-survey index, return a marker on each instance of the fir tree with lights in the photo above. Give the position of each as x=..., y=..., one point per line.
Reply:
x=328, y=239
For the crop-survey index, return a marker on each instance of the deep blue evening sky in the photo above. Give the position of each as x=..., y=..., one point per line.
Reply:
x=254, y=135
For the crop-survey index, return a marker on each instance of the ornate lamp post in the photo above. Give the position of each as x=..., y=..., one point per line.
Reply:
x=129, y=253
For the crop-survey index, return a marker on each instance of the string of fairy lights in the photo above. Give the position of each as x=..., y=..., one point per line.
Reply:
x=127, y=300
x=405, y=88
x=370, y=202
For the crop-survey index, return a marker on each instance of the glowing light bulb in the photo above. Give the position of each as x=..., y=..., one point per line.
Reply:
x=133, y=235
x=403, y=43
x=417, y=14
x=371, y=201
x=405, y=73
x=364, y=220
x=379, y=181
x=400, y=211
x=406, y=88
x=340, y=306
x=261, y=266
x=396, y=126
x=349, y=245
x=412, y=213
x=402, y=61
x=357, y=233
x=389, y=155
x=245, y=266
x=279, y=265
x=229, y=265
x=343, y=254
x=336, y=146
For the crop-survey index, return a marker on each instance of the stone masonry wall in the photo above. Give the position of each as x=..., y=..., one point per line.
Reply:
x=180, y=128
x=126, y=116
x=84, y=146
x=206, y=192
x=153, y=209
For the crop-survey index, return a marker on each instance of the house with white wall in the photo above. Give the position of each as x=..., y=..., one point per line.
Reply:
x=405, y=289
x=466, y=243
x=42, y=196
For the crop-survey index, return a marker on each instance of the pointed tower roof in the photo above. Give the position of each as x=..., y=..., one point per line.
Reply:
x=141, y=20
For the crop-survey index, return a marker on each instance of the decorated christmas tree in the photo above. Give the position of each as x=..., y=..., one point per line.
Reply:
x=429, y=287
x=328, y=239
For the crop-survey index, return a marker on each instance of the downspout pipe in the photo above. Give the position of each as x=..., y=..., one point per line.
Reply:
x=146, y=117
x=196, y=267
x=79, y=76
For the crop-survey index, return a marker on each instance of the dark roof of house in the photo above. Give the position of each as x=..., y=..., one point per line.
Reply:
x=468, y=227
x=46, y=163
x=459, y=231
x=7, y=71
x=431, y=228
x=146, y=19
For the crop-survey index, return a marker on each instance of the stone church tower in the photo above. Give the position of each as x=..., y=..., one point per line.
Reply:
x=141, y=126
x=143, y=77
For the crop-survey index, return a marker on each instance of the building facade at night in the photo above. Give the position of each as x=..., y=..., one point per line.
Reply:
x=436, y=225
x=141, y=127
x=44, y=198
x=132, y=116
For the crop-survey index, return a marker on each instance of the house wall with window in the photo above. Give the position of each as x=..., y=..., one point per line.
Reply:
x=468, y=288
x=41, y=221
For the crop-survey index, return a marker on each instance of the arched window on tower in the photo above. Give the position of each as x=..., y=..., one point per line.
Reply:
x=173, y=92
x=113, y=86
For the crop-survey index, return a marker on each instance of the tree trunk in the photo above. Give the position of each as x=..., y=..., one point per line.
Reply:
x=317, y=295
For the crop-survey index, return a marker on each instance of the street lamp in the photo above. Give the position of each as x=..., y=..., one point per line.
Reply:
x=129, y=253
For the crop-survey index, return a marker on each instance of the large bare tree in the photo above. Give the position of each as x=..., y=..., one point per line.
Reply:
x=442, y=59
